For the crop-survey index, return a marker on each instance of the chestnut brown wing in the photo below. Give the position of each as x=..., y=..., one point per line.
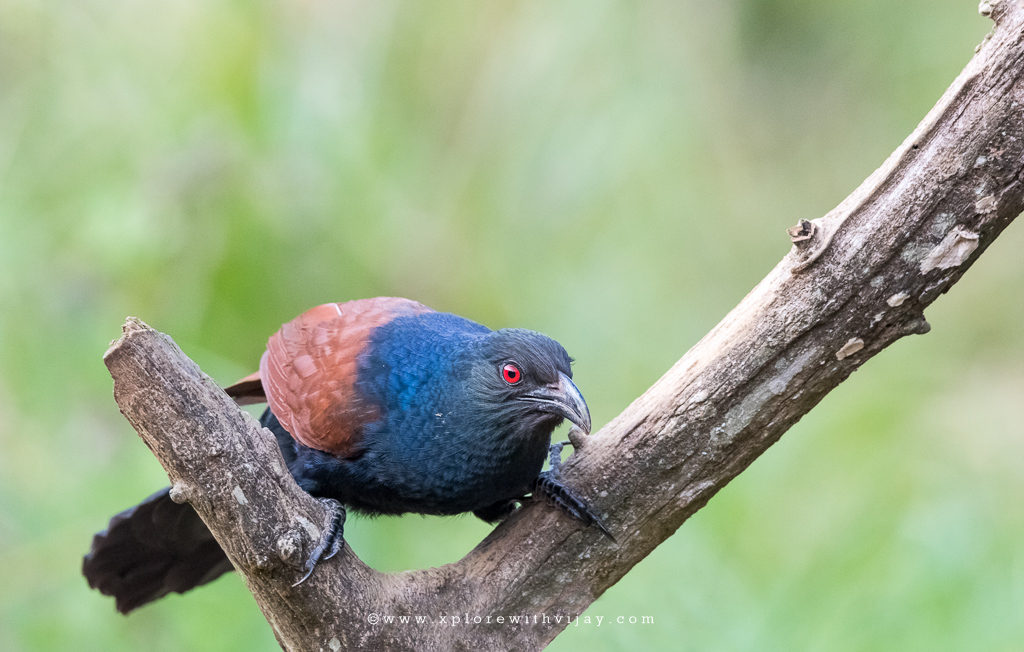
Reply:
x=308, y=372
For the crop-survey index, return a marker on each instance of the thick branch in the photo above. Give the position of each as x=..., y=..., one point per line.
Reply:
x=857, y=280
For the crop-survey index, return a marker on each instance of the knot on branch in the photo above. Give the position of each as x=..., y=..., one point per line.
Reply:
x=997, y=9
x=181, y=493
x=289, y=549
x=803, y=231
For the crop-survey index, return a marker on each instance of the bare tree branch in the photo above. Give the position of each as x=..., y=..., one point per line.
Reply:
x=856, y=281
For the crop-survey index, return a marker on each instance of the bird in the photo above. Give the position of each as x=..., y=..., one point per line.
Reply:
x=381, y=406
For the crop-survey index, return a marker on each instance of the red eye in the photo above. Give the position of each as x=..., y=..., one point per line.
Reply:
x=511, y=374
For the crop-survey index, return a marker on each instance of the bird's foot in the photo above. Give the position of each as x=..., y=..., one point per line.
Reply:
x=555, y=455
x=565, y=498
x=332, y=539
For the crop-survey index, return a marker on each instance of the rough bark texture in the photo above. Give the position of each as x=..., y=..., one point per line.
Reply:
x=857, y=280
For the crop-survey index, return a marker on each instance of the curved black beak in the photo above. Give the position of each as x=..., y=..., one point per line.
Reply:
x=564, y=399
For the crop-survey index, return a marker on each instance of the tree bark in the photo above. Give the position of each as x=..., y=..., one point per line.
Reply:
x=857, y=280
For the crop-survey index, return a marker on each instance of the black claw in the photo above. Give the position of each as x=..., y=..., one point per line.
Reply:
x=331, y=539
x=336, y=545
x=563, y=497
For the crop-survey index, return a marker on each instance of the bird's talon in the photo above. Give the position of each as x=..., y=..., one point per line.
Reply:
x=555, y=455
x=565, y=499
x=331, y=539
x=336, y=545
x=309, y=571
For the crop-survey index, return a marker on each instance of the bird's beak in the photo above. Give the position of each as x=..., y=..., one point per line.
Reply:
x=564, y=399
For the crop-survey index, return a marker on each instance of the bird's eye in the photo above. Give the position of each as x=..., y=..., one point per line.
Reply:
x=511, y=374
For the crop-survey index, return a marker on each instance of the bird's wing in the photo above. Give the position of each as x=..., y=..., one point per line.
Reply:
x=308, y=372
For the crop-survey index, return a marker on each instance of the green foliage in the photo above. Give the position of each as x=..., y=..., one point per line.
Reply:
x=617, y=175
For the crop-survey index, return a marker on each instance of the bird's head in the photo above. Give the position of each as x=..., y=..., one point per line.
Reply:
x=525, y=378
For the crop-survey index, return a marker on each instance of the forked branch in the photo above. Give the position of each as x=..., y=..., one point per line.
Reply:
x=857, y=280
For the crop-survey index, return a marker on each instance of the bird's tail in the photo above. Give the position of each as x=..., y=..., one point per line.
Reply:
x=152, y=549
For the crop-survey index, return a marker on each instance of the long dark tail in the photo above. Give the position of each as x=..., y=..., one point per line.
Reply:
x=152, y=549
x=159, y=546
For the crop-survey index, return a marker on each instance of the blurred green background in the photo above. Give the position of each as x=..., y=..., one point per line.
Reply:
x=617, y=175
